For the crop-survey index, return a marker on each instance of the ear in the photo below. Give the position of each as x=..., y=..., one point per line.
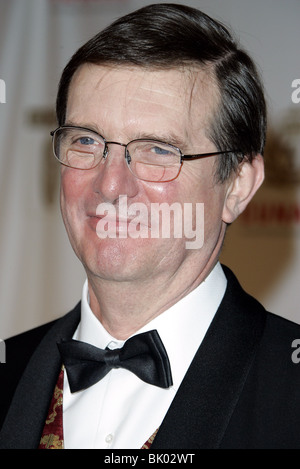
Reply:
x=242, y=188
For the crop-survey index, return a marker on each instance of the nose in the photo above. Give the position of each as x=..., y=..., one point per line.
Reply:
x=113, y=177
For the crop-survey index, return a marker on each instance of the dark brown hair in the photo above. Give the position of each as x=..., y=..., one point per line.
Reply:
x=168, y=36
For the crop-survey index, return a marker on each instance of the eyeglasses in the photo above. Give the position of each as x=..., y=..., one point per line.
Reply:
x=147, y=159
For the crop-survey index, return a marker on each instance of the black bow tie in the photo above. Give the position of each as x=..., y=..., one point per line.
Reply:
x=143, y=354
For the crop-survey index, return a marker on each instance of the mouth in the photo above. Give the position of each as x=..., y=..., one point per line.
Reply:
x=108, y=226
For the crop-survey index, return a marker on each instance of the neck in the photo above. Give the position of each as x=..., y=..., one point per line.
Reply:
x=125, y=307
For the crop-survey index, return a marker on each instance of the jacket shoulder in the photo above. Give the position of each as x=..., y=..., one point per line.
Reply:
x=19, y=350
x=267, y=415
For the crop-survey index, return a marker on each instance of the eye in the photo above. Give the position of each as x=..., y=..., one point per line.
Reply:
x=158, y=150
x=86, y=141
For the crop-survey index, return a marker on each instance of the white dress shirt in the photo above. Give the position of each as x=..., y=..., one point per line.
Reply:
x=121, y=411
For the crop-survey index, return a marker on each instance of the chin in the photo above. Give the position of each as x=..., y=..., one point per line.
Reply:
x=116, y=259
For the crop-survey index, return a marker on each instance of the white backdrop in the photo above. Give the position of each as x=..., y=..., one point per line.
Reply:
x=40, y=277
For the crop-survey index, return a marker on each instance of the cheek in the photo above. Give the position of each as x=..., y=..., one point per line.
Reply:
x=67, y=190
x=205, y=201
x=69, y=176
x=74, y=184
x=162, y=192
x=71, y=195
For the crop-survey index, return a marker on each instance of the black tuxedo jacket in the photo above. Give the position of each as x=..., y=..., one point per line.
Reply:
x=242, y=389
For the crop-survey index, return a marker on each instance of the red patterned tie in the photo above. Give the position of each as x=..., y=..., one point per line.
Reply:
x=52, y=436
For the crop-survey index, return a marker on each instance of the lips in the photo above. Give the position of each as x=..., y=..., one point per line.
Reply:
x=107, y=226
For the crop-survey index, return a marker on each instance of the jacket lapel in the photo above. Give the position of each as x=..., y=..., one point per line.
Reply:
x=205, y=401
x=26, y=417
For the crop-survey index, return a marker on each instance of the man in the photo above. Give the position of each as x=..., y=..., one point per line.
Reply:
x=161, y=107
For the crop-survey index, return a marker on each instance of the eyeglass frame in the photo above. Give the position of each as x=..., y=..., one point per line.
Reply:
x=183, y=157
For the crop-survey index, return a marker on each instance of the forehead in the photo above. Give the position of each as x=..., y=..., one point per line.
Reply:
x=136, y=97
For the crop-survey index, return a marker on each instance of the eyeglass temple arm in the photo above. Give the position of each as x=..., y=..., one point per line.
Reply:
x=203, y=155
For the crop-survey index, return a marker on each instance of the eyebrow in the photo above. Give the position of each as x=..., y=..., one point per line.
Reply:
x=167, y=138
x=92, y=127
x=170, y=138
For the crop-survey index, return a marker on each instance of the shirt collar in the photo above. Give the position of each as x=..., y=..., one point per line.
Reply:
x=182, y=327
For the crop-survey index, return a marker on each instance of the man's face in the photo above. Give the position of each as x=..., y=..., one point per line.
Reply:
x=123, y=104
